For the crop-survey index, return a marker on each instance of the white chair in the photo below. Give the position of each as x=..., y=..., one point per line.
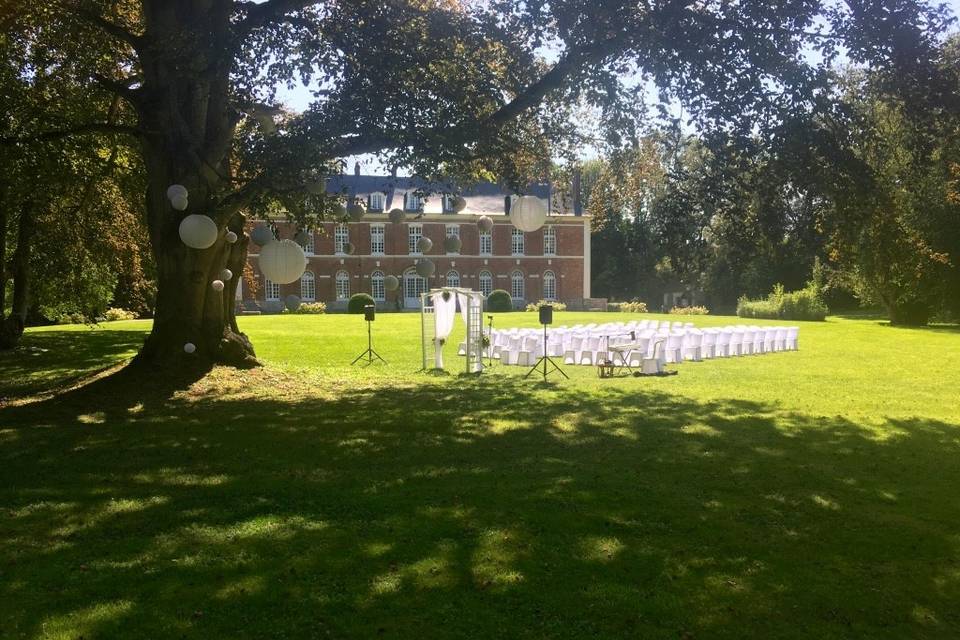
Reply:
x=654, y=364
x=722, y=349
x=693, y=346
x=780, y=339
x=736, y=342
x=746, y=345
x=708, y=343
x=792, y=342
x=674, y=347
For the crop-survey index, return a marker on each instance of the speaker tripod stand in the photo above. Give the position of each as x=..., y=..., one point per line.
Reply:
x=545, y=365
x=369, y=355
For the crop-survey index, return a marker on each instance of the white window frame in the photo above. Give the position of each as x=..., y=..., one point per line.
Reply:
x=342, y=285
x=414, y=233
x=271, y=290
x=308, y=287
x=551, y=277
x=453, y=231
x=455, y=281
x=377, y=289
x=412, y=202
x=517, y=242
x=550, y=241
x=485, y=278
x=486, y=243
x=341, y=237
x=378, y=201
x=378, y=239
x=518, y=277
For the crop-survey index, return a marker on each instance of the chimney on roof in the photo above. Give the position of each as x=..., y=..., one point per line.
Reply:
x=356, y=168
x=575, y=187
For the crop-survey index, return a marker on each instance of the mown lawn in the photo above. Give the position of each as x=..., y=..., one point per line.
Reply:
x=811, y=494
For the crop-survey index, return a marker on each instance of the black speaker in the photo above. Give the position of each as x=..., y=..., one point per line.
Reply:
x=546, y=314
x=369, y=312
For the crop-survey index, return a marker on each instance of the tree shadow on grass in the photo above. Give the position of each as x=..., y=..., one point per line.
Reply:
x=475, y=509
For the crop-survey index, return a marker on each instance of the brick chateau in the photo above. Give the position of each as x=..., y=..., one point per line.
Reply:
x=552, y=263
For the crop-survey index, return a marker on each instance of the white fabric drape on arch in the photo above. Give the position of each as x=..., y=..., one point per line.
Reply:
x=444, y=311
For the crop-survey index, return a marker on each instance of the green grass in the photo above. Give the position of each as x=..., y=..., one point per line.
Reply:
x=810, y=494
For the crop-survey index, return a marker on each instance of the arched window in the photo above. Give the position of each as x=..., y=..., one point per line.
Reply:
x=308, y=287
x=453, y=279
x=377, y=289
x=517, y=291
x=343, y=285
x=486, y=283
x=271, y=290
x=549, y=286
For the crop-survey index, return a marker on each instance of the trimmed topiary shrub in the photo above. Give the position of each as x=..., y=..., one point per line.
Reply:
x=113, y=314
x=634, y=306
x=309, y=308
x=690, y=311
x=358, y=301
x=499, y=301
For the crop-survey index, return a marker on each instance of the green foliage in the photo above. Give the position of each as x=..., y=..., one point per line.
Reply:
x=557, y=305
x=313, y=308
x=113, y=314
x=499, y=301
x=689, y=311
x=357, y=302
x=634, y=306
x=804, y=304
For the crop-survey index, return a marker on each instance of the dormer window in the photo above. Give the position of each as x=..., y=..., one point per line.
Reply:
x=448, y=201
x=377, y=202
x=413, y=202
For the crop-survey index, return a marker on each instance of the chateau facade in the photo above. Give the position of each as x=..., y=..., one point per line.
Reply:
x=552, y=263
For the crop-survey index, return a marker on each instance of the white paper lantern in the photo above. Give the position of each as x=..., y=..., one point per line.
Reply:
x=292, y=302
x=217, y=285
x=175, y=190
x=452, y=244
x=179, y=202
x=391, y=283
x=198, y=232
x=459, y=204
x=396, y=215
x=425, y=268
x=226, y=275
x=231, y=237
x=262, y=235
x=485, y=223
x=424, y=244
x=189, y=347
x=282, y=262
x=528, y=213
x=355, y=211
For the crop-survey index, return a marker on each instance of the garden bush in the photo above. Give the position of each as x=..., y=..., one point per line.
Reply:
x=499, y=301
x=690, y=311
x=71, y=318
x=613, y=307
x=557, y=306
x=634, y=306
x=804, y=304
x=358, y=301
x=113, y=314
x=311, y=308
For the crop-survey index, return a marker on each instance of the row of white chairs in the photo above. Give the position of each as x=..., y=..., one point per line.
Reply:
x=626, y=343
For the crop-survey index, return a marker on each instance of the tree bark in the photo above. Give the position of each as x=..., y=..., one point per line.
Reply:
x=11, y=328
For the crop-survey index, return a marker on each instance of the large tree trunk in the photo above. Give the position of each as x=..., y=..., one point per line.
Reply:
x=186, y=110
x=11, y=327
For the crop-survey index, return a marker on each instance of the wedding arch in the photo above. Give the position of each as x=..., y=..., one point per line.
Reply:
x=438, y=310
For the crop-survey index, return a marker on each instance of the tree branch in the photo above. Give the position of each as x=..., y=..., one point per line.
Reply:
x=259, y=15
x=91, y=127
x=108, y=27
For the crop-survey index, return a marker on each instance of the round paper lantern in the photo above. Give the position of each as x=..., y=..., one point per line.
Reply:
x=231, y=237
x=282, y=262
x=179, y=202
x=391, y=283
x=217, y=285
x=338, y=210
x=396, y=215
x=292, y=302
x=189, y=347
x=452, y=244
x=425, y=268
x=226, y=275
x=349, y=248
x=175, y=190
x=424, y=244
x=262, y=235
x=302, y=238
x=528, y=213
x=459, y=204
x=355, y=211
x=198, y=232
x=485, y=223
